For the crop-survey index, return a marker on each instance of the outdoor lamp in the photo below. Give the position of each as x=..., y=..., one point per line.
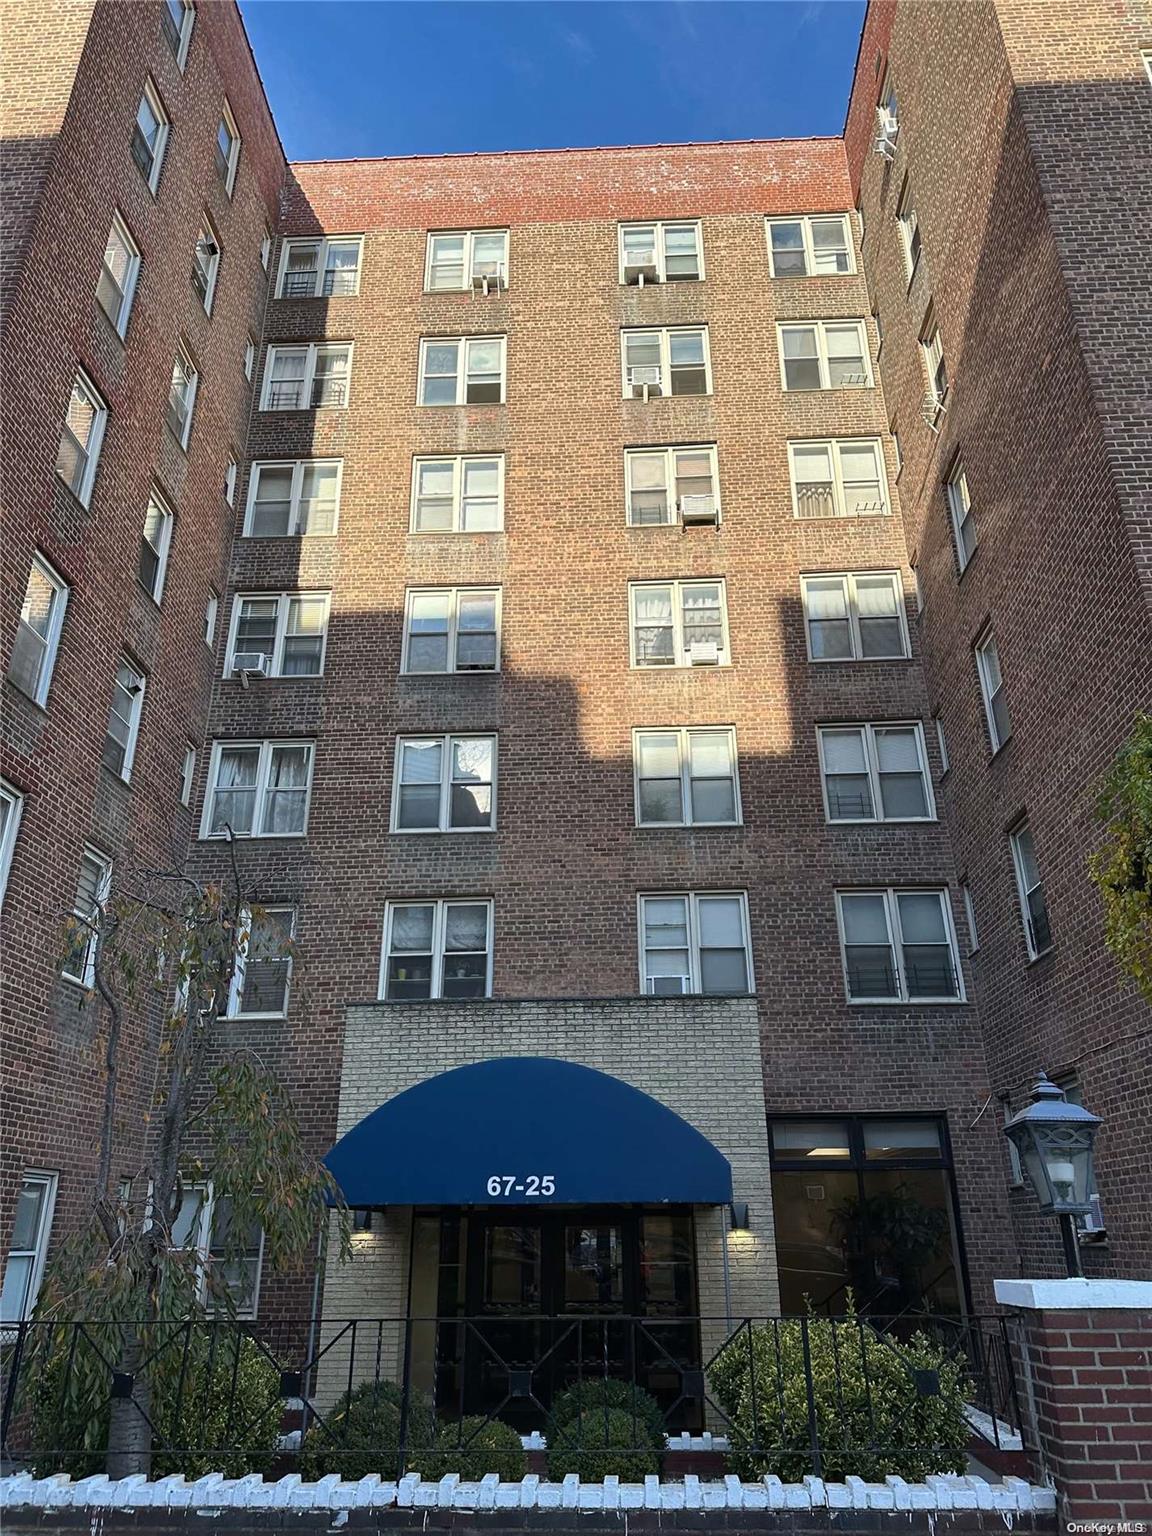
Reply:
x=1054, y=1139
x=738, y=1215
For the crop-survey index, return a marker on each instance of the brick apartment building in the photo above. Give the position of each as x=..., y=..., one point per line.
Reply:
x=619, y=568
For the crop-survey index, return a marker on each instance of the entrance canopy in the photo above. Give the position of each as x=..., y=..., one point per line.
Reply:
x=526, y=1130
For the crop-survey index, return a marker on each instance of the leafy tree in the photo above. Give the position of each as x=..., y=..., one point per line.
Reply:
x=1122, y=867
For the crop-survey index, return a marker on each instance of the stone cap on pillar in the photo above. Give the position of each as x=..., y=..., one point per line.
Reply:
x=1075, y=1295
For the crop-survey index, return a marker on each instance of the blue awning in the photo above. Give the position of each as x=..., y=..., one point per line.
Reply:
x=536, y=1130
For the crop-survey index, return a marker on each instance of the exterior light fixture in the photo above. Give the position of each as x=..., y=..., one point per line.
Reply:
x=1054, y=1139
x=738, y=1216
x=362, y=1219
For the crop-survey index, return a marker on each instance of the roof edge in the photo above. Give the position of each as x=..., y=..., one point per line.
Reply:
x=573, y=149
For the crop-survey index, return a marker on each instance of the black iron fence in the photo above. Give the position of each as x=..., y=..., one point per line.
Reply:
x=790, y=1396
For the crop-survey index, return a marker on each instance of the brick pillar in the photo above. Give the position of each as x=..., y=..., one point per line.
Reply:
x=1087, y=1388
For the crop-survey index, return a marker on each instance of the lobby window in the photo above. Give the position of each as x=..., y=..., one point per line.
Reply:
x=875, y=773
x=150, y=136
x=458, y=495
x=452, y=629
x=462, y=370
x=1030, y=888
x=444, y=784
x=899, y=946
x=810, y=247
x=307, y=378
x=176, y=20
x=258, y=789
x=118, y=273
x=661, y=253
x=665, y=362
x=686, y=777
x=278, y=634
x=960, y=509
x=206, y=264
x=436, y=949
x=80, y=438
x=841, y=477
x=155, y=541
x=11, y=807
x=227, y=149
x=124, y=721
x=864, y=1211
x=320, y=269
x=672, y=485
x=992, y=691
x=855, y=616
x=824, y=354
x=466, y=258
x=678, y=623
x=293, y=499
x=263, y=971
x=909, y=227
x=695, y=943
x=182, y=396
x=38, y=631
x=203, y=1223
x=92, y=890
x=29, y=1246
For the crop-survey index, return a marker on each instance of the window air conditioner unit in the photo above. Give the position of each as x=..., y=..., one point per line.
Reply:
x=645, y=380
x=887, y=128
x=698, y=509
x=932, y=407
x=703, y=653
x=488, y=278
x=669, y=986
x=640, y=268
x=251, y=664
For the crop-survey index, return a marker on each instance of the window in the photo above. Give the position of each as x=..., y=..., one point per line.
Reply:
x=80, y=438
x=124, y=721
x=260, y=981
x=661, y=253
x=458, y=495
x=320, y=269
x=1146, y=55
x=38, y=632
x=118, y=275
x=686, y=777
x=678, y=623
x=182, y=396
x=297, y=498
x=150, y=136
x=249, y=358
x=266, y=248
x=462, y=370
x=452, y=629
x=29, y=1246
x=466, y=258
x=288, y=629
x=963, y=522
x=896, y=449
x=227, y=149
x=11, y=806
x=230, y=473
x=206, y=264
x=899, y=947
x=941, y=743
x=154, y=544
x=176, y=19
x=211, y=609
x=932, y=351
x=307, y=378
x=1033, y=907
x=444, y=784
x=992, y=691
x=810, y=247
x=258, y=789
x=889, y=105
x=695, y=943
x=666, y=362
x=203, y=1223
x=187, y=774
x=875, y=773
x=825, y=354
x=970, y=918
x=92, y=890
x=665, y=484
x=909, y=227
x=843, y=477
x=855, y=616
x=436, y=949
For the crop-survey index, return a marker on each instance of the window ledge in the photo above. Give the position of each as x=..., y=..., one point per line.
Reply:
x=1045, y=954
x=10, y=682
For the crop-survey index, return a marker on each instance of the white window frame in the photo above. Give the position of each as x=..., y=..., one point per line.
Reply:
x=187, y=773
x=249, y=358
x=453, y=629
x=232, y=160
x=942, y=744
x=210, y=271
x=468, y=259
x=211, y=613
x=970, y=917
x=230, y=473
x=124, y=772
x=458, y=462
x=164, y=128
x=693, y=900
x=14, y=800
x=322, y=243
x=821, y=329
x=240, y=966
x=869, y=730
x=665, y=333
x=908, y=223
x=670, y=452
x=446, y=744
x=87, y=976
x=283, y=601
x=461, y=371
x=986, y=652
x=192, y=374
x=1024, y=890
x=961, y=514
x=440, y=907
x=266, y=248
x=183, y=33
x=82, y=490
x=266, y=746
x=126, y=290
x=805, y=221
x=896, y=945
x=162, y=549
x=299, y=466
x=312, y=349
x=38, y=1254
x=835, y=445
x=200, y=1240
x=659, y=228
x=679, y=648
x=51, y=640
x=853, y=615
x=684, y=733
x=932, y=354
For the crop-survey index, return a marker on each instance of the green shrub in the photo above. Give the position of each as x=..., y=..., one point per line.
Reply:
x=870, y=1417
x=597, y=1395
x=474, y=1447
x=361, y=1434
x=600, y=1445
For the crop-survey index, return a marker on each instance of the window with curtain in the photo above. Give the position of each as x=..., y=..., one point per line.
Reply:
x=437, y=949
x=258, y=789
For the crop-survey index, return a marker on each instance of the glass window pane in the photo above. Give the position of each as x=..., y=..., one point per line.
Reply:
x=659, y=753
x=888, y=1139
x=810, y=1138
x=665, y=922
x=720, y=919
x=29, y=1206
x=865, y=918
x=844, y=751
x=876, y=596
x=661, y=801
x=710, y=753
x=922, y=917
x=713, y=800
x=466, y=926
x=412, y=929
x=686, y=348
x=825, y=598
x=723, y=971
x=420, y=762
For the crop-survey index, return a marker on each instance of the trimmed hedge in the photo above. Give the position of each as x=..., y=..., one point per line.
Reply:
x=361, y=1434
x=609, y=1444
x=473, y=1447
x=597, y=1395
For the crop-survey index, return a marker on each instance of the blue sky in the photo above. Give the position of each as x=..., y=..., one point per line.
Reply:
x=438, y=76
